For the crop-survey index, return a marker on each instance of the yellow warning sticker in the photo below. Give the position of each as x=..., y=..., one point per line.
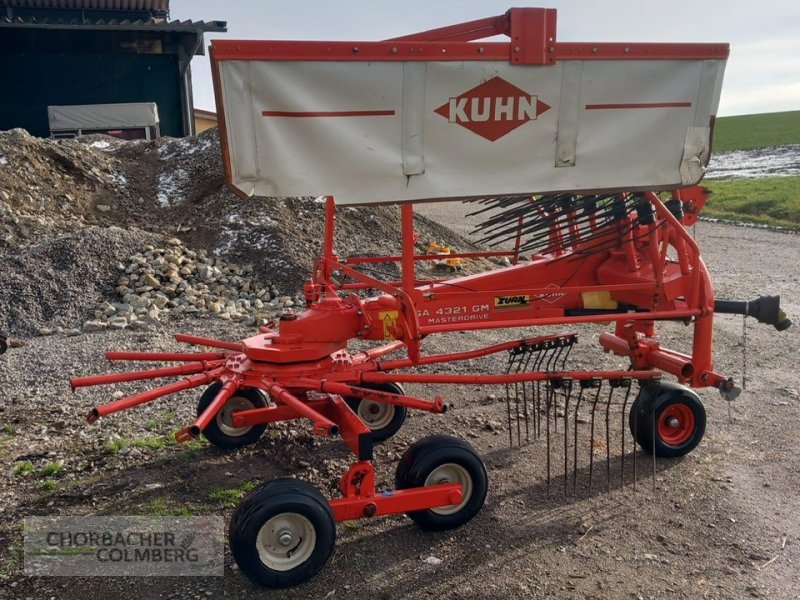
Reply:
x=511, y=301
x=389, y=320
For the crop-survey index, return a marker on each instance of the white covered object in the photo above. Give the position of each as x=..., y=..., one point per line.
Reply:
x=103, y=116
x=379, y=132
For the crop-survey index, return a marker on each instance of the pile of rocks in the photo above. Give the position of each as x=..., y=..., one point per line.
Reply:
x=174, y=279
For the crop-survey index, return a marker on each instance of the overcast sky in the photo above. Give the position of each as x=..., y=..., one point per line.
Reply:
x=762, y=75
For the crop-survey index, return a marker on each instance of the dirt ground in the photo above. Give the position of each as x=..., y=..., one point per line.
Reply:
x=720, y=523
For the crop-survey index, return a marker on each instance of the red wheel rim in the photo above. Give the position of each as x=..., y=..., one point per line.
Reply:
x=676, y=424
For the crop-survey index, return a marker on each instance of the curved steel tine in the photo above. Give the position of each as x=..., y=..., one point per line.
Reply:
x=549, y=392
x=613, y=385
x=575, y=437
x=567, y=383
x=623, y=429
x=599, y=385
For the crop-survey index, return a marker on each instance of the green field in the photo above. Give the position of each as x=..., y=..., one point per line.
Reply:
x=756, y=131
x=771, y=201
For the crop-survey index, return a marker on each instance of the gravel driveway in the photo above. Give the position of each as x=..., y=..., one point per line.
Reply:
x=720, y=523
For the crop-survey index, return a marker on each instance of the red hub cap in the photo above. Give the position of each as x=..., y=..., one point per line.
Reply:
x=676, y=424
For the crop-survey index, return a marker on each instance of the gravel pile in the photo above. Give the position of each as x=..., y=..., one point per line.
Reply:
x=49, y=187
x=75, y=216
x=172, y=279
x=54, y=284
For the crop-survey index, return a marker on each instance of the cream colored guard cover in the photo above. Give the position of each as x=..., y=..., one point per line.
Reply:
x=381, y=132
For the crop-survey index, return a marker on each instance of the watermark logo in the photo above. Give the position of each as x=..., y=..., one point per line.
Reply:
x=124, y=546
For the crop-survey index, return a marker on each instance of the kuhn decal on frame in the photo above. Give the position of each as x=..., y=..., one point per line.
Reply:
x=493, y=109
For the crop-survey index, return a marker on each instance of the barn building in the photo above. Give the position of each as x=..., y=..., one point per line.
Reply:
x=85, y=52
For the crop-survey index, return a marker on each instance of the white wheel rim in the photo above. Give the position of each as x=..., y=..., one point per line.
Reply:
x=286, y=541
x=451, y=473
x=225, y=416
x=375, y=415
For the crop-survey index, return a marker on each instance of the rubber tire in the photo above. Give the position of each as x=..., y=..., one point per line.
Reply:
x=640, y=419
x=271, y=499
x=419, y=460
x=219, y=438
x=400, y=412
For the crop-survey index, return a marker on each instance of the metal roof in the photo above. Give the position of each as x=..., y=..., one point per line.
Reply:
x=154, y=5
x=154, y=25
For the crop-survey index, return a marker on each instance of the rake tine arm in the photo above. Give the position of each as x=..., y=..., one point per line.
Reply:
x=228, y=389
x=436, y=405
x=322, y=425
x=165, y=390
x=187, y=369
x=201, y=341
x=389, y=365
x=374, y=353
x=499, y=379
x=166, y=356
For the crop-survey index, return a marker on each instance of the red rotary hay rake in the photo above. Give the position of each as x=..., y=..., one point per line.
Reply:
x=590, y=257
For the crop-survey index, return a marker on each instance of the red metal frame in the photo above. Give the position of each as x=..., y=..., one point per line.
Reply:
x=304, y=366
x=306, y=369
x=532, y=41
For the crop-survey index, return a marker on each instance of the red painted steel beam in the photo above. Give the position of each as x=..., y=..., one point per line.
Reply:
x=530, y=322
x=228, y=389
x=165, y=356
x=343, y=389
x=515, y=275
x=275, y=414
x=176, y=371
x=461, y=32
x=322, y=425
x=404, y=363
x=373, y=353
x=396, y=502
x=131, y=401
x=282, y=50
x=201, y=341
x=354, y=432
x=366, y=286
x=417, y=257
x=504, y=378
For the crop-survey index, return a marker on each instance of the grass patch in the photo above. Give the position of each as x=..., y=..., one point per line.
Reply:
x=159, y=507
x=151, y=442
x=756, y=131
x=229, y=497
x=114, y=446
x=50, y=469
x=773, y=201
x=8, y=428
x=48, y=485
x=24, y=468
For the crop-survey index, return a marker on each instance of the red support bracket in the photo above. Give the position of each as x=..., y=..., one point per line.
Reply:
x=361, y=500
x=533, y=36
x=354, y=432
